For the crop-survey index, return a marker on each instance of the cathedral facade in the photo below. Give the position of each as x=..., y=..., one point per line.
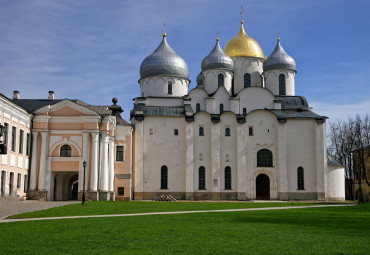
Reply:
x=241, y=134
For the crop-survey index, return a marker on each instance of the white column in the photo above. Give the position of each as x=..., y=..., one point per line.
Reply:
x=85, y=156
x=33, y=177
x=242, y=162
x=43, y=157
x=104, y=163
x=283, y=161
x=189, y=183
x=216, y=139
x=320, y=160
x=94, y=163
x=111, y=165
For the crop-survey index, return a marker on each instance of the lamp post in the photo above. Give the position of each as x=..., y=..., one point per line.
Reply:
x=83, y=187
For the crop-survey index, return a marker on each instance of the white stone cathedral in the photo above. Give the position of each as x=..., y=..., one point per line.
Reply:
x=241, y=134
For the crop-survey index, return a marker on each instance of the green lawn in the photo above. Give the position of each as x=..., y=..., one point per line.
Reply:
x=110, y=207
x=337, y=230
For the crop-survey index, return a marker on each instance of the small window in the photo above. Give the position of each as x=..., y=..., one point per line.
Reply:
x=19, y=178
x=6, y=132
x=261, y=80
x=176, y=131
x=220, y=80
x=164, y=177
x=247, y=80
x=227, y=158
x=25, y=183
x=202, y=177
x=65, y=151
x=227, y=177
x=264, y=158
x=121, y=191
x=119, y=153
x=201, y=131
x=200, y=156
x=197, y=107
x=300, y=177
x=170, y=87
x=244, y=111
x=28, y=145
x=14, y=137
x=282, y=88
x=21, y=136
x=250, y=131
x=150, y=131
x=227, y=131
x=221, y=108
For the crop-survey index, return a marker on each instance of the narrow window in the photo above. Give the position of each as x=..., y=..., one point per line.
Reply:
x=201, y=131
x=227, y=131
x=197, y=107
x=119, y=153
x=65, y=151
x=176, y=131
x=25, y=185
x=28, y=145
x=227, y=158
x=221, y=108
x=202, y=177
x=261, y=80
x=11, y=183
x=300, y=177
x=2, y=182
x=170, y=87
x=121, y=191
x=164, y=177
x=264, y=158
x=14, y=137
x=282, y=85
x=21, y=135
x=19, y=178
x=150, y=131
x=220, y=80
x=200, y=156
x=227, y=177
x=6, y=132
x=244, y=111
x=250, y=131
x=247, y=80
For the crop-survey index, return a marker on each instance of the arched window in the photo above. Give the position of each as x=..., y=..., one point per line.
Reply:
x=221, y=108
x=170, y=87
x=201, y=131
x=220, y=80
x=244, y=111
x=164, y=177
x=247, y=80
x=197, y=107
x=202, y=177
x=250, y=131
x=227, y=177
x=227, y=131
x=300, y=177
x=264, y=158
x=282, y=90
x=261, y=80
x=65, y=151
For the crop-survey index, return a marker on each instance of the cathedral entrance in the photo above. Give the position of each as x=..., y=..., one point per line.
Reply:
x=262, y=187
x=65, y=186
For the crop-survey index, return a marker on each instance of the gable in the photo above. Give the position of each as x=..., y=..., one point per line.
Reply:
x=66, y=111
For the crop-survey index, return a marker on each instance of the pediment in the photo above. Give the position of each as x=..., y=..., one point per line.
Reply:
x=66, y=108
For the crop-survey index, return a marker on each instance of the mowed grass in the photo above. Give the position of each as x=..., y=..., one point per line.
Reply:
x=336, y=230
x=110, y=207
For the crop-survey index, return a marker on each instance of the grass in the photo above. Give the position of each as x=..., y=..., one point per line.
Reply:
x=336, y=230
x=110, y=207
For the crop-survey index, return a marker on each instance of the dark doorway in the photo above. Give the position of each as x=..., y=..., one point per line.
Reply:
x=262, y=187
x=55, y=188
x=73, y=188
x=11, y=183
x=3, y=174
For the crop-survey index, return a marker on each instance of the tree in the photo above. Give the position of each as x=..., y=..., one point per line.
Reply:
x=348, y=144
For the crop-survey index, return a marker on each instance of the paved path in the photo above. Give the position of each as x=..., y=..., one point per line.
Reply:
x=179, y=212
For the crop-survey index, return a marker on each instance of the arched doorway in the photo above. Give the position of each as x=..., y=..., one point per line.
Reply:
x=263, y=187
x=73, y=188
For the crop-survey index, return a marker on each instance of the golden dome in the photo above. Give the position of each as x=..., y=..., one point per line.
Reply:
x=243, y=45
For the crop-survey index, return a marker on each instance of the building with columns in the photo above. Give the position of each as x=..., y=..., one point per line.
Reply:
x=65, y=133
x=241, y=134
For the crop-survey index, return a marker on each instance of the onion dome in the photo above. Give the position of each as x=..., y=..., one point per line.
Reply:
x=279, y=59
x=243, y=45
x=217, y=59
x=199, y=79
x=164, y=61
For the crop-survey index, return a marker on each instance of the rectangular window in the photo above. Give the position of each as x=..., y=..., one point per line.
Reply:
x=28, y=146
x=21, y=134
x=121, y=191
x=6, y=132
x=19, y=179
x=3, y=177
x=14, y=137
x=25, y=183
x=11, y=183
x=176, y=131
x=119, y=153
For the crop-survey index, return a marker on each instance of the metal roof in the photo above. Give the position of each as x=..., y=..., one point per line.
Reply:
x=217, y=59
x=332, y=161
x=279, y=59
x=294, y=114
x=293, y=102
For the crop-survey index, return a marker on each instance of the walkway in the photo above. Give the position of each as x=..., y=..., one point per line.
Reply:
x=179, y=212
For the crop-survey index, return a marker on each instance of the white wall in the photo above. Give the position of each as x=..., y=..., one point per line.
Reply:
x=158, y=86
x=254, y=98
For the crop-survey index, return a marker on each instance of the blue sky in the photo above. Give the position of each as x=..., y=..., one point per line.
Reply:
x=92, y=49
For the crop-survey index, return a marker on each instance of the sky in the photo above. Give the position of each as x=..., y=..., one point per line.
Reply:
x=92, y=49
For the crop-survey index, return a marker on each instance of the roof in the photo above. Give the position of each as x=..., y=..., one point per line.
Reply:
x=279, y=59
x=293, y=102
x=296, y=114
x=332, y=161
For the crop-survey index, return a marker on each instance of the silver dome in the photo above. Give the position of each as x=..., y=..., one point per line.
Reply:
x=199, y=79
x=164, y=61
x=217, y=59
x=279, y=59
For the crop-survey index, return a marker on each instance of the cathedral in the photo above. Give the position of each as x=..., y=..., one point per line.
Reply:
x=240, y=134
